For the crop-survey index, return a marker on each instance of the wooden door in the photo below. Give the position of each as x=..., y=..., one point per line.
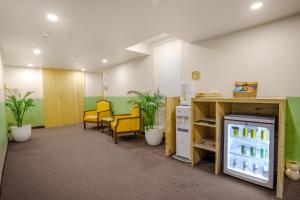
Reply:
x=63, y=97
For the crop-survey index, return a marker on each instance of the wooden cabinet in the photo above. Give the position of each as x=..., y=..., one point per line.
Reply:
x=63, y=97
x=208, y=127
x=204, y=130
x=209, y=136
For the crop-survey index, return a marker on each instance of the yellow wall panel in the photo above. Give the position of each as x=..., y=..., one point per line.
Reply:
x=63, y=96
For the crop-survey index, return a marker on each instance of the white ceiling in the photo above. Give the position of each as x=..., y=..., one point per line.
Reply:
x=96, y=29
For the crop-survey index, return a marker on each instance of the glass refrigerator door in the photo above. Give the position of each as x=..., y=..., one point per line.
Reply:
x=248, y=151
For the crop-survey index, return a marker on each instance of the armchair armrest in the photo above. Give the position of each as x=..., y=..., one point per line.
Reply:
x=120, y=116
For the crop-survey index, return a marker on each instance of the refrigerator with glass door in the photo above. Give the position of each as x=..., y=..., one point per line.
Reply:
x=249, y=148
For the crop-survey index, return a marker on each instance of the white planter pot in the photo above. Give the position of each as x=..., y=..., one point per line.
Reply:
x=154, y=136
x=293, y=175
x=21, y=134
x=292, y=170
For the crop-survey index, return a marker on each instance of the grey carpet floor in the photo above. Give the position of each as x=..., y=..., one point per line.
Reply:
x=73, y=164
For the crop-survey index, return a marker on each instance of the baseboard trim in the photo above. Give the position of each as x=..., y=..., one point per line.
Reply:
x=38, y=127
x=34, y=127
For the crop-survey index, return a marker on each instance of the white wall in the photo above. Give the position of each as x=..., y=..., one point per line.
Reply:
x=31, y=79
x=268, y=54
x=24, y=79
x=168, y=67
x=213, y=69
x=161, y=69
x=93, y=84
x=134, y=75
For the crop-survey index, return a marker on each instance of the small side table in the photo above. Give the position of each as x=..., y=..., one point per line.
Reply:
x=106, y=120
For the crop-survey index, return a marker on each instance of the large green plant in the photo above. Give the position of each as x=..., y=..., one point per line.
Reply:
x=18, y=104
x=149, y=104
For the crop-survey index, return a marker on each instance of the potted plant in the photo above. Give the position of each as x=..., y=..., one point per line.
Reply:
x=150, y=105
x=19, y=105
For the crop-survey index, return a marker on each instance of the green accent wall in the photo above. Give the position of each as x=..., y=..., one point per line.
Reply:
x=120, y=104
x=3, y=130
x=3, y=134
x=90, y=102
x=292, y=149
x=35, y=116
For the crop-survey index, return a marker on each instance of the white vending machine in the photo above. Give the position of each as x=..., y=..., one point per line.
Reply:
x=183, y=133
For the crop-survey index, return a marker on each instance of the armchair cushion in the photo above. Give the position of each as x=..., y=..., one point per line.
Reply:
x=104, y=114
x=136, y=111
x=126, y=125
x=128, y=122
x=114, y=123
x=90, y=113
x=103, y=105
x=91, y=118
x=103, y=109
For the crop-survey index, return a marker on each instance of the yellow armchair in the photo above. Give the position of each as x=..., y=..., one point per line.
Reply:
x=126, y=123
x=103, y=109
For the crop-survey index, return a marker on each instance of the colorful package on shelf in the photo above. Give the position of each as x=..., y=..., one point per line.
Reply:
x=252, y=86
x=240, y=87
x=245, y=89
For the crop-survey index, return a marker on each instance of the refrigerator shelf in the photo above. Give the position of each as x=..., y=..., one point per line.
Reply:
x=207, y=144
x=250, y=140
x=249, y=173
x=251, y=157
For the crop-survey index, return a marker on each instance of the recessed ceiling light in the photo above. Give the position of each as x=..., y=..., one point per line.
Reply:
x=45, y=35
x=83, y=69
x=36, y=51
x=104, y=60
x=30, y=65
x=257, y=5
x=52, y=17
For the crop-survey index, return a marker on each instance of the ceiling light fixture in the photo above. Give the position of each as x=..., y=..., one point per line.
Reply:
x=104, y=60
x=256, y=6
x=45, y=35
x=36, y=51
x=52, y=18
x=83, y=69
x=30, y=65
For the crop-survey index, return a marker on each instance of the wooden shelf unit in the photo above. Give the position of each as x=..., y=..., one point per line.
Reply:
x=206, y=144
x=204, y=134
x=204, y=124
x=217, y=108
